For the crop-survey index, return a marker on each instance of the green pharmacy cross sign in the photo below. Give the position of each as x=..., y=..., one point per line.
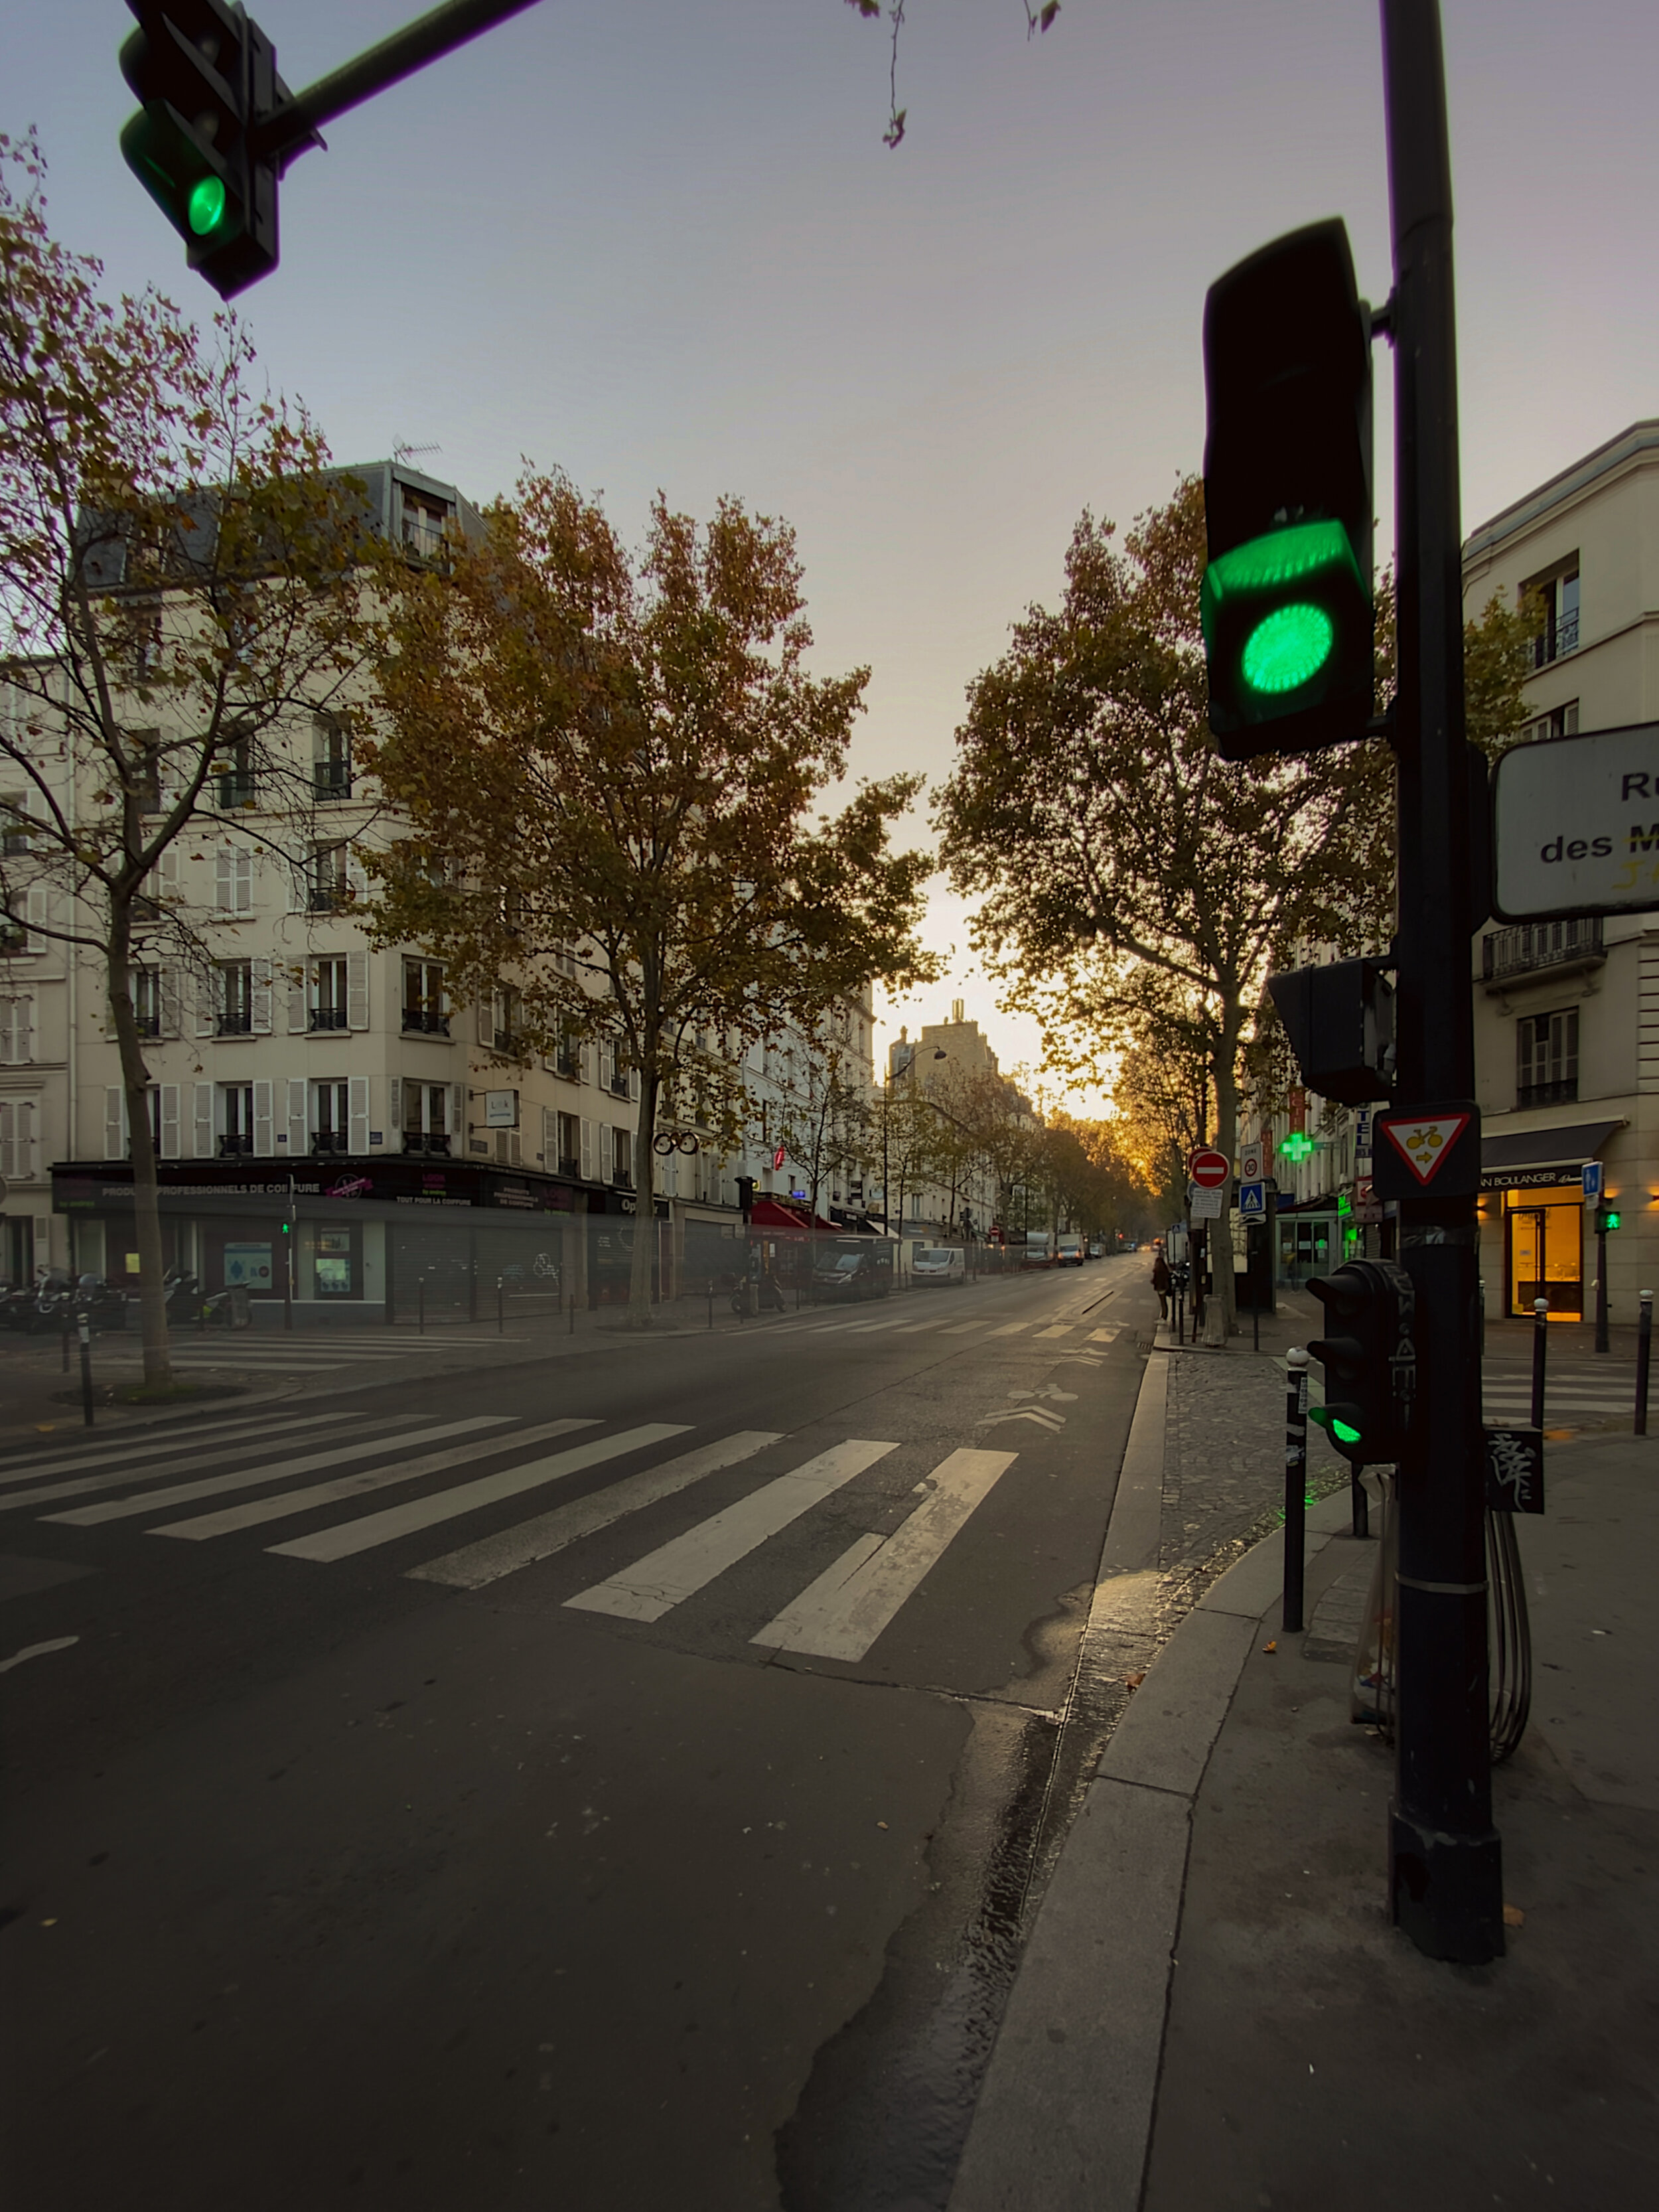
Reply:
x=1297, y=1146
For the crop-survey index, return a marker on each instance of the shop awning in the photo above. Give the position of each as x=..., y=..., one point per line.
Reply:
x=1520, y=1157
x=777, y=1213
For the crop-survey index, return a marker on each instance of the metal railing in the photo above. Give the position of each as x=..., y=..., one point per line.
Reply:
x=329, y=1017
x=417, y=1021
x=1563, y=1091
x=1533, y=945
x=233, y=1024
x=1560, y=637
x=415, y=1141
x=237, y=791
x=332, y=782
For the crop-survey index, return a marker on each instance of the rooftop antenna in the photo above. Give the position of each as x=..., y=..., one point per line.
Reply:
x=403, y=452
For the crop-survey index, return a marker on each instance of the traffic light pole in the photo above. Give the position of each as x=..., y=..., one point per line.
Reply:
x=1445, y=1859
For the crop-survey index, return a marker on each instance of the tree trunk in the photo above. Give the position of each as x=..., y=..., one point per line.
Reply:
x=1219, y=1314
x=645, y=1201
x=146, y=1195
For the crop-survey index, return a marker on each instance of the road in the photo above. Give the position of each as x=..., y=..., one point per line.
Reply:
x=607, y=1782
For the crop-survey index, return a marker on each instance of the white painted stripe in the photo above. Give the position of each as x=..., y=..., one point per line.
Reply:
x=1060, y=1329
x=869, y=1328
x=289, y=1502
x=964, y=1328
x=1010, y=1328
x=79, y=1485
x=915, y=1328
x=130, y=1445
x=1105, y=1335
x=445, y=1504
x=492, y=1557
x=215, y=1485
x=663, y=1577
x=842, y=1613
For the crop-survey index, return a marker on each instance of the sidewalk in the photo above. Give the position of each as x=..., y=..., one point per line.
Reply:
x=1214, y=2010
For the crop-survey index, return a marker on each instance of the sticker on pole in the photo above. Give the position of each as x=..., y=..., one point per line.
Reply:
x=1435, y=1148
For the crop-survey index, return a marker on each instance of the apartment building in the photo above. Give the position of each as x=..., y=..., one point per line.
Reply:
x=335, y=1126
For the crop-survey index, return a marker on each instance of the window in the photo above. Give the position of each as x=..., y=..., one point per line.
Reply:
x=235, y=1118
x=331, y=758
x=334, y=1256
x=570, y=1146
x=1559, y=722
x=564, y=960
x=568, y=1055
x=425, y=1117
x=622, y=1159
x=426, y=1003
x=233, y=767
x=16, y=1032
x=146, y=986
x=326, y=888
x=424, y=519
x=327, y=1004
x=330, y=1117
x=13, y=825
x=17, y=1139
x=1559, y=594
x=143, y=620
x=1547, y=1059
x=506, y=1011
x=233, y=890
x=234, y=1013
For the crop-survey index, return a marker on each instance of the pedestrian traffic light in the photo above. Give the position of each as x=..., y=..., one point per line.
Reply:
x=1370, y=1367
x=1287, y=598
x=1607, y=1217
x=205, y=74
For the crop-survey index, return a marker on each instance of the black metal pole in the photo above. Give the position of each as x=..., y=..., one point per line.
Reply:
x=1541, y=1329
x=86, y=1368
x=499, y=1323
x=1602, y=1343
x=1296, y=1487
x=1643, y=1354
x=1445, y=1868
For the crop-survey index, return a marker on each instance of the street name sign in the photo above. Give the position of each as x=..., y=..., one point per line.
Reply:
x=1252, y=1201
x=1575, y=825
x=1591, y=1173
x=1208, y=1169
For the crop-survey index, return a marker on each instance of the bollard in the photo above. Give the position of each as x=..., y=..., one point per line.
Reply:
x=66, y=1339
x=86, y=1368
x=1644, y=1353
x=1296, y=1486
x=499, y=1324
x=571, y=1331
x=1541, y=1329
x=711, y=1302
x=421, y=1304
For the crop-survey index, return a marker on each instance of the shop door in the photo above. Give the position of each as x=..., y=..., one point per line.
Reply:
x=1545, y=1248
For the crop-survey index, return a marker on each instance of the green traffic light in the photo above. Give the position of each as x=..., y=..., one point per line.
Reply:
x=1287, y=649
x=207, y=206
x=1339, y=1429
x=1611, y=1218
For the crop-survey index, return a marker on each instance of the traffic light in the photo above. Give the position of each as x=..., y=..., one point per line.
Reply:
x=1370, y=1367
x=1286, y=598
x=746, y=1196
x=205, y=76
x=1340, y=1021
x=1607, y=1217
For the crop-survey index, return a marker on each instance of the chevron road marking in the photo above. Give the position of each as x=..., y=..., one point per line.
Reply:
x=384, y=1528
x=842, y=1613
x=664, y=1578
x=492, y=1557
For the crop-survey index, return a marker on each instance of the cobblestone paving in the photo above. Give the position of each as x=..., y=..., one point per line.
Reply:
x=1224, y=1457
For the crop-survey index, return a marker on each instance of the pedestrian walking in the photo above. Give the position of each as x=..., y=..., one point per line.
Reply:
x=1161, y=1281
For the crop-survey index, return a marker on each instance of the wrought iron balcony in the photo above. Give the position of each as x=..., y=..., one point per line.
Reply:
x=1564, y=1091
x=415, y=1141
x=237, y=792
x=1561, y=637
x=329, y=1017
x=570, y=1167
x=333, y=779
x=1531, y=946
x=329, y=1140
x=418, y=1021
x=231, y=1148
x=235, y=1024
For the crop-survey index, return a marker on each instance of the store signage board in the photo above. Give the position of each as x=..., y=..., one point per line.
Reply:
x=1575, y=825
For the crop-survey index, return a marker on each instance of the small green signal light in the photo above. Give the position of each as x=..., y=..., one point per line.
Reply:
x=1613, y=1217
x=1287, y=648
x=1342, y=1431
x=207, y=206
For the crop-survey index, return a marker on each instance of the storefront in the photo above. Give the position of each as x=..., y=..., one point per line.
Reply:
x=353, y=1241
x=1533, y=1199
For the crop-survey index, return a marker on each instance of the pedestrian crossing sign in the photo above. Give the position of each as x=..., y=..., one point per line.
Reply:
x=1252, y=1201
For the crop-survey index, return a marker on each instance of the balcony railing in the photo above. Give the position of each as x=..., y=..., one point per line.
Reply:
x=148, y=1025
x=508, y=1041
x=236, y=792
x=326, y=898
x=1561, y=637
x=329, y=1140
x=569, y=1166
x=1564, y=1091
x=621, y=1179
x=329, y=1017
x=415, y=1141
x=332, y=781
x=231, y=1148
x=418, y=1021
x=1530, y=946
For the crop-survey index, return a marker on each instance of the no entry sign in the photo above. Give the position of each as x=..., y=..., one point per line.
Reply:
x=1209, y=1171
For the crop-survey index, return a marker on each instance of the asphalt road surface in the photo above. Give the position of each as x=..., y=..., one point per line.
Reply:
x=603, y=1782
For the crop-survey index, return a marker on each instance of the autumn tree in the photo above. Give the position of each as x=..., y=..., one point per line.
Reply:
x=608, y=768
x=179, y=602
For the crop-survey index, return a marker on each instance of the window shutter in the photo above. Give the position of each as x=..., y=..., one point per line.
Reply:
x=587, y=1060
x=394, y=1106
x=587, y=1152
x=357, y=878
x=298, y=1135
x=357, y=993
x=7, y=1139
x=202, y=1121
x=37, y=918
x=210, y=995
x=263, y=1146
x=115, y=1138
x=224, y=879
x=607, y=1066
x=244, y=867
x=28, y=1164
x=486, y=1020
x=261, y=998
x=296, y=1000
x=359, y=1105
x=170, y=1121
x=299, y=887
x=633, y=1085
x=549, y=1136
x=169, y=992
x=7, y=1032
x=458, y=1117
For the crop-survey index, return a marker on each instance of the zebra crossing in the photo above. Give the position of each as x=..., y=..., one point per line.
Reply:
x=901, y=1324
x=1574, y=1396
x=311, y=1353
x=234, y=1481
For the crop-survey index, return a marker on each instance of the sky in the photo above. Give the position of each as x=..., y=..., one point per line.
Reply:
x=661, y=245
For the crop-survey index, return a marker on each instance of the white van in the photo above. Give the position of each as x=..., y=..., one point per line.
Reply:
x=938, y=1263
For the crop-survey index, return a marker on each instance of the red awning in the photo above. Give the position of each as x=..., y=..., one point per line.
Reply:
x=777, y=1213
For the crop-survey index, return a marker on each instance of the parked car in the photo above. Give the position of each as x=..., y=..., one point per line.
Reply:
x=938, y=1263
x=841, y=1274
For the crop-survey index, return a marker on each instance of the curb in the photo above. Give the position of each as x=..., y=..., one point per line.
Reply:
x=1064, y=2117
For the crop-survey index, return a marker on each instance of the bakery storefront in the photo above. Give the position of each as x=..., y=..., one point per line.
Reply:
x=349, y=1240
x=1532, y=1198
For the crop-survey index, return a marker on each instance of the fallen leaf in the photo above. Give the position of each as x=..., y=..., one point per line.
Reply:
x=881, y=1824
x=1514, y=1917
x=49, y=1924
x=1271, y=1647
x=1135, y=1682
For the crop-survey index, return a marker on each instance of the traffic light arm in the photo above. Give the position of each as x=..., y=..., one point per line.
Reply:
x=289, y=129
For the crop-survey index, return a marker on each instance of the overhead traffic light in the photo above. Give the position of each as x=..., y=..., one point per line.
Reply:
x=1287, y=598
x=205, y=74
x=1370, y=1367
x=1340, y=1021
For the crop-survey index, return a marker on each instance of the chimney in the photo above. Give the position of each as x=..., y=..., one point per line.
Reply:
x=956, y=1011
